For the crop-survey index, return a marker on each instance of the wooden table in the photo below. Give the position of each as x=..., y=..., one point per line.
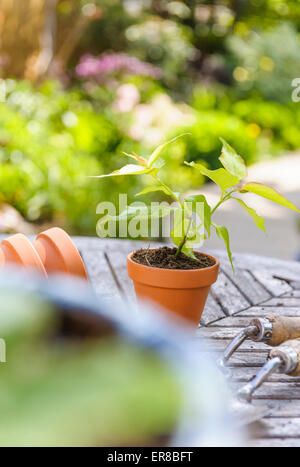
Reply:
x=261, y=286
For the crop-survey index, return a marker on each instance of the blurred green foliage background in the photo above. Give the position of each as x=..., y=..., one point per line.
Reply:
x=83, y=81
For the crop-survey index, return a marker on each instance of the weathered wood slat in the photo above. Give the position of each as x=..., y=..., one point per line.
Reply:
x=282, y=408
x=228, y=296
x=267, y=310
x=212, y=311
x=217, y=332
x=275, y=286
x=243, y=374
x=219, y=345
x=118, y=263
x=276, y=391
x=289, y=270
x=281, y=428
x=246, y=359
x=253, y=359
x=289, y=273
x=248, y=285
x=288, y=302
x=99, y=274
x=295, y=294
x=236, y=322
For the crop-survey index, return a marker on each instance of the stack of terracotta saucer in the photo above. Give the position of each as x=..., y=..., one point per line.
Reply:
x=52, y=252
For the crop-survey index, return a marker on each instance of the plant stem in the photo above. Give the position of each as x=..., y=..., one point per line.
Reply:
x=184, y=239
x=171, y=193
x=222, y=200
x=217, y=205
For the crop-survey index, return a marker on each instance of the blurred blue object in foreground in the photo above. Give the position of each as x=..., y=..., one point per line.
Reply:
x=79, y=372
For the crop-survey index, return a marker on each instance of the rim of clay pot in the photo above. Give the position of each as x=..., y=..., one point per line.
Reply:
x=21, y=248
x=173, y=278
x=66, y=249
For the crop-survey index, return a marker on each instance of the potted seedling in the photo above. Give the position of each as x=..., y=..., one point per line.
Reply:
x=179, y=278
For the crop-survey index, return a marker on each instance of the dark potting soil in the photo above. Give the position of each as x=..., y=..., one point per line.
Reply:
x=164, y=258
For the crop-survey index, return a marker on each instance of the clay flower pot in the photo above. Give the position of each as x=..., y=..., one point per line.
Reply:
x=18, y=249
x=59, y=254
x=183, y=292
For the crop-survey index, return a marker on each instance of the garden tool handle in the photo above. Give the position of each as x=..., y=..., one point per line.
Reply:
x=283, y=329
x=273, y=330
x=289, y=353
x=284, y=359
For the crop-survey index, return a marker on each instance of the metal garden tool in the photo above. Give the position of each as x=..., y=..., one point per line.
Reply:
x=284, y=359
x=273, y=330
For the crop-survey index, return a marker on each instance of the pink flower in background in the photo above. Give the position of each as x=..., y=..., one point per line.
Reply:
x=128, y=97
x=151, y=122
x=97, y=67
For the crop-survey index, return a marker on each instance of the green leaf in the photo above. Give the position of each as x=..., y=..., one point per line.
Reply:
x=150, y=189
x=137, y=158
x=268, y=192
x=223, y=234
x=157, y=152
x=259, y=220
x=205, y=214
x=232, y=161
x=220, y=176
x=188, y=252
x=159, y=164
x=129, y=169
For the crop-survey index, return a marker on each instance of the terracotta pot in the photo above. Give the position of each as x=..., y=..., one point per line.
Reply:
x=183, y=292
x=59, y=254
x=18, y=249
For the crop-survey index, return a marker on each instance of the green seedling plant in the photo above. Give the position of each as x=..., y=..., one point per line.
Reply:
x=186, y=232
